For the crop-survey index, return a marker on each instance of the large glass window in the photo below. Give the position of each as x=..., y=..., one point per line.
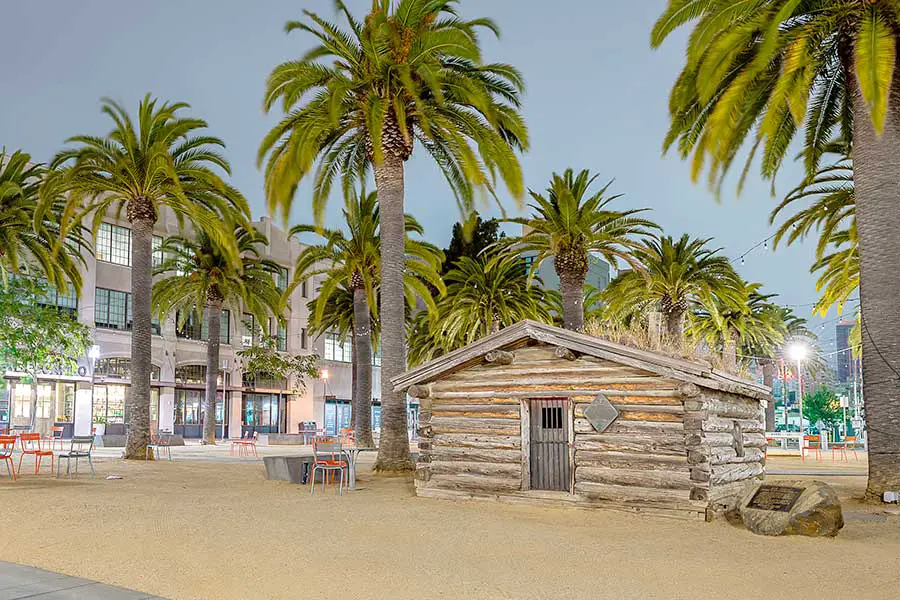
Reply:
x=109, y=403
x=337, y=350
x=157, y=252
x=190, y=409
x=251, y=332
x=281, y=338
x=196, y=375
x=376, y=357
x=120, y=367
x=112, y=310
x=281, y=278
x=197, y=328
x=260, y=410
x=303, y=341
x=67, y=300
x=113, y=244
x=264, y=381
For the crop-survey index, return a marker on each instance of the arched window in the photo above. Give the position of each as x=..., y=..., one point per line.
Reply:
x=120, y=368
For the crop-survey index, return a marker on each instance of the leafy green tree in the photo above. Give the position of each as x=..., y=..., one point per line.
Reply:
x=483, y=296
x=765, y=70
x=156, y=163
x=567, y=225
x=823, y=405
x=411, y=70
x=34, y=232
x=37, y=336
x=676, y=276
x=470, y=238
x=352, y=262
x=263, y=359
x=197, y=274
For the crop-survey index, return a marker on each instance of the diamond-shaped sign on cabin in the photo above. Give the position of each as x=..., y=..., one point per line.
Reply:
x=601, y=413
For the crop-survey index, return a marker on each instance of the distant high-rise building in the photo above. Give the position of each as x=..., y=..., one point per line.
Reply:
x=844, y=355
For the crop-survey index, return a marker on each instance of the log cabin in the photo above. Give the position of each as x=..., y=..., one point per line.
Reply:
x=538, y=414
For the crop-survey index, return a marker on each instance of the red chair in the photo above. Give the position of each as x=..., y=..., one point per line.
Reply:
x=31, y=444
x=246, y=444
x=811, y=443
x=56, y=435
x=7, y=446
x=848, y=443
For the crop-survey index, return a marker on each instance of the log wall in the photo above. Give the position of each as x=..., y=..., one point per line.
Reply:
x=667, y=452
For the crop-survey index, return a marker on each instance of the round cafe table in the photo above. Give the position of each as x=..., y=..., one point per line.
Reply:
x=352, y=453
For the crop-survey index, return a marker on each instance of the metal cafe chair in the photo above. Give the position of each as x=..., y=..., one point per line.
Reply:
x=31, y=445
x=327, y=458
x=7, y=446
x=159, y=445
x=56, y=436
x=81, y=447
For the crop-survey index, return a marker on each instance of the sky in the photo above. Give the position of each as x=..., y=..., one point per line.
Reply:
x=596, y=98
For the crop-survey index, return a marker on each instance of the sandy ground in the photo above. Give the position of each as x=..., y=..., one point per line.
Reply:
x=218, y=529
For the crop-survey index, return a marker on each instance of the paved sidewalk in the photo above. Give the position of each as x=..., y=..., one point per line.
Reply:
x=18, y=582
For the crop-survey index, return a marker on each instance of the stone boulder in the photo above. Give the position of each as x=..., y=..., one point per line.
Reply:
x=808, y=508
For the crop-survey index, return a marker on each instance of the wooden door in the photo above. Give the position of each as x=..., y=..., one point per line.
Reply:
x=549, y=450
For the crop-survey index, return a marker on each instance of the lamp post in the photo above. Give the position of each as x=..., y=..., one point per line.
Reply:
x=323, y=375
x=798, y=352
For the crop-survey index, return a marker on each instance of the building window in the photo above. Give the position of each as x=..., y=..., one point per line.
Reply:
x=251, y=333
x=263, y=381
x=158, y=255
x=120, y=368
x=67, y=300
x=303, y=341
x=196, y=375
x=190, y=407
x=281, y=338
x=376, y=357
x=281, y=279
x=335, y=349
x=303, y=289
x=113, y=244
x=260, y=410
x=197, y=328
x=112, y=310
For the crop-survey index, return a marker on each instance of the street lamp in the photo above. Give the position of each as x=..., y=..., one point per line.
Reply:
x=798, y=352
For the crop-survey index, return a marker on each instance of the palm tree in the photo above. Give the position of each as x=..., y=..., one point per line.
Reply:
x=197, y=273
x=411, y=70
x=483, y=296
x=762, y=70
x=158, y=162
x=568, y=225
x=754, y=323
x=353, y=262
x=675, y=277
x=35, y=232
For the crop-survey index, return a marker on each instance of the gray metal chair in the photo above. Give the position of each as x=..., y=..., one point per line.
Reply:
x=159, y=445
x=81, y=447
x=328, y=457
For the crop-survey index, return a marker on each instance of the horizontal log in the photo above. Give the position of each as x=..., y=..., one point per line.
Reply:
x=653, y=444
x=488, y=455
x=641, y=427
x=734, y=472
x=643, y=478
x=722, y=425
x=441, y=425
x=630, y=460
x=625, y=409
x=450, y=400
x=554, y=381
x=748, y=409
x=478, y=411
x=475, y=482
x=561, y=368
x=543, y=392
x=628, y=494
x=505, y=470
x=751, y=440
x=730, y=492
x=724, y=455
x=466, y=440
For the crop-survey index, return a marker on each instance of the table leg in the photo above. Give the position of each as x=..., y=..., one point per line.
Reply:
x=352, y=473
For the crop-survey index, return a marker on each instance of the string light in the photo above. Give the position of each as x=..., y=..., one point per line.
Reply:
x=763, y=244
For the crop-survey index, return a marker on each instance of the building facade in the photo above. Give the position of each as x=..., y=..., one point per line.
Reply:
x=245, y=404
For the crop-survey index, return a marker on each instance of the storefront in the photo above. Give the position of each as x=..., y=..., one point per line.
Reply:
x=190, y=396
x=263, y=412
x=338, y=416
x=112, y=387
x=55, y=405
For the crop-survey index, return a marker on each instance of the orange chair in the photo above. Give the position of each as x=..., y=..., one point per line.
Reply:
x=7, y=446
x=811, y=443
x=245, y=444
x=848, y=443
x=327, y=458
x=56, y=435
x=31, y=444
x=348, y=435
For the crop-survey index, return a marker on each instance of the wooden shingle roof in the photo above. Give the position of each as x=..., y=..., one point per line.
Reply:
x=690, y=371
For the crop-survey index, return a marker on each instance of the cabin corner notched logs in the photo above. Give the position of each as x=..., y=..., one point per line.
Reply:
x=680, y=446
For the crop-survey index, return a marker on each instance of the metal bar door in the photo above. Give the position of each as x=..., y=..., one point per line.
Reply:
x=549, y=444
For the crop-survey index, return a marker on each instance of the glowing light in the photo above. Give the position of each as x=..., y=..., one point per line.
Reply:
x=797, y=351
x=323, y=374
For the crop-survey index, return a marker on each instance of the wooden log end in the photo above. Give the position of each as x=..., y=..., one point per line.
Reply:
x=499, y=357
x=689, y=390
x=564, y=353
x=419, y=391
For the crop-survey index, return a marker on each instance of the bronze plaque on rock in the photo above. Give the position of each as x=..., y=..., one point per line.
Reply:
x=775, y=498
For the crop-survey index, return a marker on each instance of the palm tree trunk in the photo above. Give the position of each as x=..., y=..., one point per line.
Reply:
x=571, y=287
x=768, y=369
x=876, y=163
x=393, y=453
x=214, y=327
x=675, y=327
x=141, y=286
x=362, y=351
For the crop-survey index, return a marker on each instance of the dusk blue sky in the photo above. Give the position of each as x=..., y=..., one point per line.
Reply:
x=596, y=98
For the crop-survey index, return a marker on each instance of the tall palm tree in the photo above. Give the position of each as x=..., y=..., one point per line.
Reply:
x=762, y=70
x=483, y=296
x=753, y=323
x=36, y=233
x=676, y=276
x=568, y=224
x=197, y=276
x=410, y=70
x=353, y=261
x=158, y=162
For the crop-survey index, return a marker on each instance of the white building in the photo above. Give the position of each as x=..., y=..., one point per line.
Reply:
x=179, y=357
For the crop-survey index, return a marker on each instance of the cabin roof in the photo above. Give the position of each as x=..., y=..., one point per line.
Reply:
x=521, y=334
